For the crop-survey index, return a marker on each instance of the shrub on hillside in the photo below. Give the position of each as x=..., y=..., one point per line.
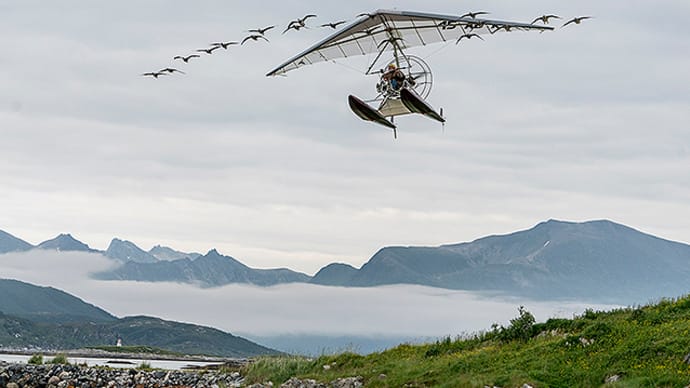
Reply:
x=521, y=327
x=59, y=359
x=144, y=366
x=36, y=359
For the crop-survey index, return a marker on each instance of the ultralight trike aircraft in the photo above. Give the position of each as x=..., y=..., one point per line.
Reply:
x=406, y=83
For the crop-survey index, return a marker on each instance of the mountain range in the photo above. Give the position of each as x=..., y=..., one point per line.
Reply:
x=46, y=318
x=211, y=269
x=600, y=261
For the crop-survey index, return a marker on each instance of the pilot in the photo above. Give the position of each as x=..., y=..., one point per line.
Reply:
x=394, y=76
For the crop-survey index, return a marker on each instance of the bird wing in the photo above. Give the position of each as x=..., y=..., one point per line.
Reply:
x=473, y=15
x=568, y=22
x=363, y=35
x=261, y=30
x=171, y=70
x=334, y=24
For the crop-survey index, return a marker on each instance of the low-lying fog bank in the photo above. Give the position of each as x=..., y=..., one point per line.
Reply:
x=296, y=318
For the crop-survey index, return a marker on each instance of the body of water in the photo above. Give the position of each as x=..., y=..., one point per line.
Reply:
x=111, y=361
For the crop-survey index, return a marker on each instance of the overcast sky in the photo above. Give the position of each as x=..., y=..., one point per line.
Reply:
x=587, y=122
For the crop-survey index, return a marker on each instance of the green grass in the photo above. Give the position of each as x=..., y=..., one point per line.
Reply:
x=36, y=359
x=144, y=366
x=645, y=346
x=137, y=350
x=59, y=359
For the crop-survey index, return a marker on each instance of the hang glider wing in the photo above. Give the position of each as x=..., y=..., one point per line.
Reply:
x=376, y=32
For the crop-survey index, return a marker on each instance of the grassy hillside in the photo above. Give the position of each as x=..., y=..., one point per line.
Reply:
x=47, y=304
x=16, y=332
x=47, y=318
x=644, y=347
x=185, y=338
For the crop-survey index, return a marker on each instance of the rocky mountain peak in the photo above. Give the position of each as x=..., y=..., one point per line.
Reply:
x=65, y=242
x=166, y=253
x=9, y=243
x=127, y=251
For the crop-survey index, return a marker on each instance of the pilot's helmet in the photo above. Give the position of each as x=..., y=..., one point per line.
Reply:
x=392, y=66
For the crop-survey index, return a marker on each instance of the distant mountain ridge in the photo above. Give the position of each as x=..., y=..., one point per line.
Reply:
x=211, y=269
x=163, y=264
x=126, y=251
x=65, y=242
x=597, y=260
x=169, y=254
x=121, y=250
x=47, y=318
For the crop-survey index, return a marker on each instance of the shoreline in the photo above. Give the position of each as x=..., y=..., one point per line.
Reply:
x=59, y=375
x=97, y=353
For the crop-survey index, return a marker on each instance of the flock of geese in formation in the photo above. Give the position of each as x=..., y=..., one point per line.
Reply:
x=545, y=19
x=257, y=34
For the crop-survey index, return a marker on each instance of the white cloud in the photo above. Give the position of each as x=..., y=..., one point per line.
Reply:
x=411, y=311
